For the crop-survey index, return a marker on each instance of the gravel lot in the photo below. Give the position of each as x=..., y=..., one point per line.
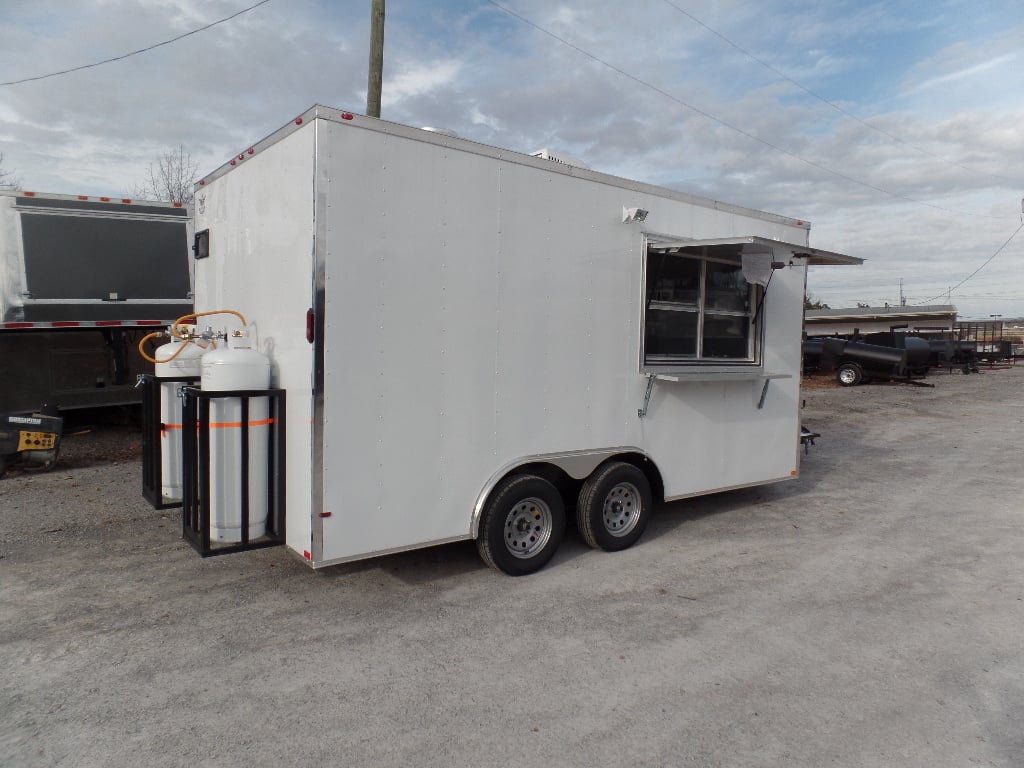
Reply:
x=868, y=614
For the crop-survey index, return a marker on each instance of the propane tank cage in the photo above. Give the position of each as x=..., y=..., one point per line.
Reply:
x=152, y=445
x=196, y=510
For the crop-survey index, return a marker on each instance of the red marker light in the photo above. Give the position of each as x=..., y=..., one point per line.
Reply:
x=298, y=121
x=126, y=200
x=251, y=151
x=105, y=199
x=347, y=116
x=29, y=194
x=234, y=162
x=202, y=182
x=83, y=197
x=310, y=327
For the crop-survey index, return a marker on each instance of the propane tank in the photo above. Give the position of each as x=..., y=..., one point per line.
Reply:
x=237, y=367
x=185, y=364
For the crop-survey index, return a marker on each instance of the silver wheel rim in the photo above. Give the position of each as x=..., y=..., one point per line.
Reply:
x=621, y=510
x=847, y=376
x=528, y=527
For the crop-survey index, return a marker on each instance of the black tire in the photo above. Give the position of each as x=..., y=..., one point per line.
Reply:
x=849, y=375
x=614, y=507
x=522, y=525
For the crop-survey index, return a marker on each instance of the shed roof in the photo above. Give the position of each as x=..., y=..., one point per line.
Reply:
x=878, y=313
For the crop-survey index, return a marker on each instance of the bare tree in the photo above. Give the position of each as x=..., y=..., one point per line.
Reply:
x=169, y=178
x=7, y=178
x=812, y=303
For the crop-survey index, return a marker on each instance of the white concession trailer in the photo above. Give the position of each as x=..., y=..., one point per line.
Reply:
x=475, y=343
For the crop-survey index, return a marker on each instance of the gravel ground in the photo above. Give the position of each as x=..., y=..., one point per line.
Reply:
x=868, y=614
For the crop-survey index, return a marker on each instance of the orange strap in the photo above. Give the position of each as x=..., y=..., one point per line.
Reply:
x=222, y=425
x=229, y=424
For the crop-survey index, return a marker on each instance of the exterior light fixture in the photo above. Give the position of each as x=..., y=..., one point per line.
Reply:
x=633, y=214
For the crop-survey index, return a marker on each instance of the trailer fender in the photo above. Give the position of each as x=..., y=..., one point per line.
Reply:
x=570, y=465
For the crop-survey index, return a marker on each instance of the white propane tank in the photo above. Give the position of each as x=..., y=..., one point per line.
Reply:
x=237, y=367
x=184, y=365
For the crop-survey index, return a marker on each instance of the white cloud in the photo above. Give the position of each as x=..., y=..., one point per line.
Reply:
x=969, y=72
x=418, y=80
x=479, y=118
x=492, y=78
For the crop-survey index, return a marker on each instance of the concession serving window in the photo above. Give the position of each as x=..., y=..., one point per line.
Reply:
x=699, y=306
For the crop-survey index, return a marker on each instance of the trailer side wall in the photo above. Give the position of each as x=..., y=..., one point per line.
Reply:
x=483, y=310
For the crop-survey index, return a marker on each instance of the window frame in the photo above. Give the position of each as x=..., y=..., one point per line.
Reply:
x=755, y=339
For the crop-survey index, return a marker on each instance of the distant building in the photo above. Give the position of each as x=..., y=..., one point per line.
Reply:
x=939, y=318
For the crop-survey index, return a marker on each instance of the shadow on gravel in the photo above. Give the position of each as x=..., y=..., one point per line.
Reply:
x=451, y=560
x=418, y=566
x=100, y=444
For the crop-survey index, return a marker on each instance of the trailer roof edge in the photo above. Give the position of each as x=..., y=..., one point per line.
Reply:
x=321, y=112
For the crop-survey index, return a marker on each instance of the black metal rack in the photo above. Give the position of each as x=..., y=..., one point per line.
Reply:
x=196, y=510
x=152, y=446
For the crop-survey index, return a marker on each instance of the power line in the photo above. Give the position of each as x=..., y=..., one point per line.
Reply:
x=135, y=53
x=832, y=104
x=987, y=261
x=730, y=126
x=982, y=297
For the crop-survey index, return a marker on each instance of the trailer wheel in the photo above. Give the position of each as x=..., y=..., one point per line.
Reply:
x=614, y=507
x=522, y=525
x=849, y=375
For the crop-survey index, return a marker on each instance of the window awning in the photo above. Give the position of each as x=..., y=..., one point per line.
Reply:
x=735, y=247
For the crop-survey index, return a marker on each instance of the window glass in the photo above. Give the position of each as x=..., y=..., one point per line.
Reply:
x=697, y=309
x=726, y=336
x=726, y=288
x=671, y=333
x=674, y=280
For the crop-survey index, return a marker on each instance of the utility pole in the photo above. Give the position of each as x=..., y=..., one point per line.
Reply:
x=376, y=77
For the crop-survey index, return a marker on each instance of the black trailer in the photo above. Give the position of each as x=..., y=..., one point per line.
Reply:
x=856, y=362
x=81, y=280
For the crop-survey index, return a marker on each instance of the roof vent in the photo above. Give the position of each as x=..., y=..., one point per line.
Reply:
x=559, y=157
x=442, y=131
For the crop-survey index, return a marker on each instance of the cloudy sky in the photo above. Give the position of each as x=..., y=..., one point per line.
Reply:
x=896, y=127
